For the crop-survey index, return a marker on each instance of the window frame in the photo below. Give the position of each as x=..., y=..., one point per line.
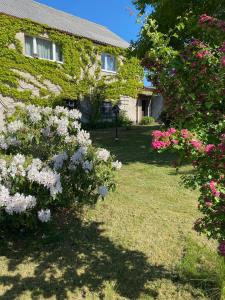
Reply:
x=105, y=63
x=35, y=54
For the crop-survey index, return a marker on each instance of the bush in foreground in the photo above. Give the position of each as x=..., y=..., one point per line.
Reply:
x=48, y=161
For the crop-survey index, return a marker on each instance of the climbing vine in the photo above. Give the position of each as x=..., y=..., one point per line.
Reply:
x=79, y=75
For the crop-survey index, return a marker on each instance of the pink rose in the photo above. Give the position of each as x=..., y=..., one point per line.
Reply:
x=157, y=134
x=175, y=142
x=212, y=186
x=221, y=248
x=172, y=130
x=185, y=133
x=209, y=148
x=223, y=61
x=196, y=144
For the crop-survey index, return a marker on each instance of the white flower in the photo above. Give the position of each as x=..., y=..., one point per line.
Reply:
x=45, y=177
x=4, y=196
x=83, y=138
x=75, y=114
x=36, y=163
x=19, y=203
x=46, y=110
x=34, y=113
x=44, y=215
x=62, y=129
x=117, y=165
x=19, y=159
x=103, y=154
x=59, y=159
x=3, y=143
x=87, y=166
x=13, y=141
x=46, y=131
x=15, y=126
x=78, y=155
x=76, y=125
x=15, y=204
x=60, y=110
x=3, y=168
x=103, y=191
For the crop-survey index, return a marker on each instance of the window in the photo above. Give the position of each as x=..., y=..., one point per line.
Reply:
x=108, y=62
x=42, y=48
x=106, y=110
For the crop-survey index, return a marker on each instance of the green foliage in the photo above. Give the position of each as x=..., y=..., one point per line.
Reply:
x=147, y=120
x=168, y=12
x=73, y=76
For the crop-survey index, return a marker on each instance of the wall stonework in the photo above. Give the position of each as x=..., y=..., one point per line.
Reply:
x=129, y=105
x=6, y=103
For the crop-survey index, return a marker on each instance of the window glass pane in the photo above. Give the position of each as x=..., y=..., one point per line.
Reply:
x=44, y=49
x=58, y=53
x=103, y=61
x=29, y=49
x=111, y=63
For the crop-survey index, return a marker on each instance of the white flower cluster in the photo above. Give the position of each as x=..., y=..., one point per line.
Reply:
x=44, y=176
x=44, y=215
x=34, y=113
x=17, y=203
x=78, y=157
x=15, y=126
x=103, y=154
x=117, y=165
x=59, y=159
x=59, y=121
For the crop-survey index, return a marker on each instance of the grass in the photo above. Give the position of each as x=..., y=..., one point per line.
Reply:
x=137, y=244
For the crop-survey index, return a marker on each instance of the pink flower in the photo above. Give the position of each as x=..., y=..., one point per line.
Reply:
x=185, y=133
x=202, y=54
x=166, y=134
x=221, y=248
x=222, y=49
x=212, y=186
x=160, y=145
x=157, y=134
x=208, y=202
x=172, y=130
x=175, y=142
x=196, y=144
x=223, y=61
x=209, y=148
x=205, y=18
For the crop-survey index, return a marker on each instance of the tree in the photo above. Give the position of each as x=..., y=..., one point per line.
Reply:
x=165, y=12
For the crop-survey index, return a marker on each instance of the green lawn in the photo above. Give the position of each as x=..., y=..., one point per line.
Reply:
x=131, y=246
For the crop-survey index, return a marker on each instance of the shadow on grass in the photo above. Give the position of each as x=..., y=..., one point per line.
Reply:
x=76, y=256
x=134, y=145
x=73, y=256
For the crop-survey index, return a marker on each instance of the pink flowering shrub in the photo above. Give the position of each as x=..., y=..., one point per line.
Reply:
x=209, y=165
x=192, y=82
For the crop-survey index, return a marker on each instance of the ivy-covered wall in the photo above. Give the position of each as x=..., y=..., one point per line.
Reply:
x=45, y=82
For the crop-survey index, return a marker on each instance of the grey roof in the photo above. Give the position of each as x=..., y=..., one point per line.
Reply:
x=28, y=9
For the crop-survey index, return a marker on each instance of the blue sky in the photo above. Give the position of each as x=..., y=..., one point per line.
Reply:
x=118, y=15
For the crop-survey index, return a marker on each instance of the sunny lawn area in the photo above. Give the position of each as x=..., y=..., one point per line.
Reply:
x=137, y=244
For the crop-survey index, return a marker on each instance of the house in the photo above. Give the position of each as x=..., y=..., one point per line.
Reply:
x=50, y=57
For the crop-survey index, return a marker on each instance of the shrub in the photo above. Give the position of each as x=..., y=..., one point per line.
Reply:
x=192, y=81
x=49, y=162
x=147, y=120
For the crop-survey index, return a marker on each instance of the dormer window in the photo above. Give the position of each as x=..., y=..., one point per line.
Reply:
x=108, y=63
x=42, y=48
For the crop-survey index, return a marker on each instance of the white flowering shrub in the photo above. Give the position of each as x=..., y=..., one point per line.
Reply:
x=47, y=162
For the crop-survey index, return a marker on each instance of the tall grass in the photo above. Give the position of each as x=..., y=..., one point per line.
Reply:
x=205, y=268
